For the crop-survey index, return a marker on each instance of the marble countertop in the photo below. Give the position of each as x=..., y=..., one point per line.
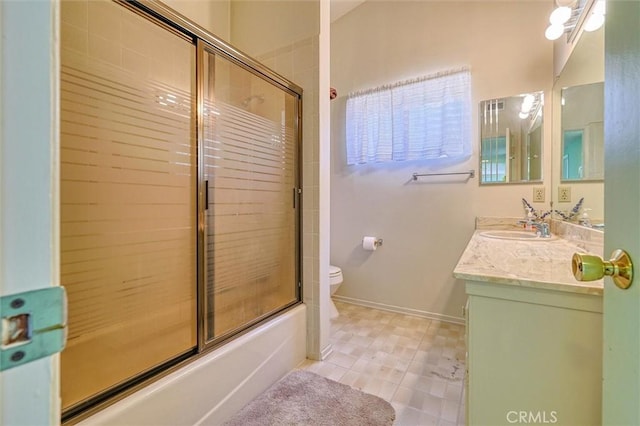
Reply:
x=539, y=264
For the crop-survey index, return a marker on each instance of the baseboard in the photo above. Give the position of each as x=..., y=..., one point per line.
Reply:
x=400, y=310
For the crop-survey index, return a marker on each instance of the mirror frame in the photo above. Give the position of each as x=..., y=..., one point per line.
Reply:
x=538, y=110
x=563, y=131
x=584, y=65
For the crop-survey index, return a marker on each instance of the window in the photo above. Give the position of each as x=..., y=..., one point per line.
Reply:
x=494, y=159
x=423, y=119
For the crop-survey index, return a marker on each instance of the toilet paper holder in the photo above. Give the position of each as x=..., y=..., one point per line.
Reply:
x=377, y=242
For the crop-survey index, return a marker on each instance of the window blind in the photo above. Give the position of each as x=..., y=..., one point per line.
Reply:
x=423, y=119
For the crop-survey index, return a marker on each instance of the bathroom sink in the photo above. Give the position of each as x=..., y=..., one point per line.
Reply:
x=515, y=235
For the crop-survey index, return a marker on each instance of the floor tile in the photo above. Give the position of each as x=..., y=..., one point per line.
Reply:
x=449, y=411
x=416, y=364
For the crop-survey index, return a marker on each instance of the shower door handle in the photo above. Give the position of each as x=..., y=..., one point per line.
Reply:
x=206, y=195
x=296, y=193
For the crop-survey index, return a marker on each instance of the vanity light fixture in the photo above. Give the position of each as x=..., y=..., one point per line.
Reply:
x=596, y=18
x=560, y=15
x=594, y=22
x=554, y=31
x=528, y=103
x=565, y=17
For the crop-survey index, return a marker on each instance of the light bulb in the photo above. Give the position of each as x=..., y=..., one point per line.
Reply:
x=594, y=22
x=528, y=99
x=560, y=15
x=523, y=115
x=554, y=32
x=600, y=8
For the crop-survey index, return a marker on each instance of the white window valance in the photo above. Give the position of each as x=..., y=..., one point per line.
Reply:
x=422, y=119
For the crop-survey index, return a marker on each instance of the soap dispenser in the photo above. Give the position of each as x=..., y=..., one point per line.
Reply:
x=585, y=220
x=529, y=223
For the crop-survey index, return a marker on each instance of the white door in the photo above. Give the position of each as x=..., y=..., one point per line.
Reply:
x=621, y=387
x=29, y=395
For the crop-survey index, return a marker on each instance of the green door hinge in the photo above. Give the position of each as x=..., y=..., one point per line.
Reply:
x=34, y=325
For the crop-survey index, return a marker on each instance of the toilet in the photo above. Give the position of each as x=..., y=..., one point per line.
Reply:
x=335, y=279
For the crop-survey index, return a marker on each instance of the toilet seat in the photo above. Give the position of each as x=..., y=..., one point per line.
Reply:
x=335, y=276
x=334, y=270
x=335, y=279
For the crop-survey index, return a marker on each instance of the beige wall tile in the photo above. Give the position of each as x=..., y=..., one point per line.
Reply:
x=75, y=12
x=105, y=20
x=105, y=49
x=74, y=38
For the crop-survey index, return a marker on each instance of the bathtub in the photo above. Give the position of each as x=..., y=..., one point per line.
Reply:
x=214, y=387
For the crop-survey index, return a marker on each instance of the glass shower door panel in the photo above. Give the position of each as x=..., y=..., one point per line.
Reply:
x=250, y=156
x=128, y=196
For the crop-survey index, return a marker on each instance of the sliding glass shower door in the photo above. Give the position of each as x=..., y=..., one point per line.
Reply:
x=128, y=196
x=179, y=195
x=250, y=147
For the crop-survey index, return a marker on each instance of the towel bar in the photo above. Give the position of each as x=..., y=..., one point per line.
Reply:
x=471, y=173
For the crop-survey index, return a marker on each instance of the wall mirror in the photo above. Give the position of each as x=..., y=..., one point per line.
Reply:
x=582, y=132
x=577, y=148
x=511, y=139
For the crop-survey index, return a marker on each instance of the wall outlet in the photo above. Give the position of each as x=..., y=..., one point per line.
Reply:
x=538, y=194
x=564, y=194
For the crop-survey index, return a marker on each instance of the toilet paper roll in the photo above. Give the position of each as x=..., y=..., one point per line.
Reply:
x=369, y=243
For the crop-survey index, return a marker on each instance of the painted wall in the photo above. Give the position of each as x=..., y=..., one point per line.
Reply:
x=213, y=15
x=426, y=225
x=262, y=26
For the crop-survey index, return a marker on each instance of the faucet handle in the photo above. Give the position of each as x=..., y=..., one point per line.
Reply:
x=543, y=228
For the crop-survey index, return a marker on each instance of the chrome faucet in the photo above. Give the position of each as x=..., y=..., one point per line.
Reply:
x=543, y=229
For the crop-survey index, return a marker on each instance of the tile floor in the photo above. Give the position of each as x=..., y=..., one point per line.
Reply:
x=416, y=364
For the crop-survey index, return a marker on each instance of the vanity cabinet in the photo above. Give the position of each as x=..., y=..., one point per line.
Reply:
x=534, y=334
x=534, y=355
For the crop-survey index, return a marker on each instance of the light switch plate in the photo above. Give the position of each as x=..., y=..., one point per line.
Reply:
x=564, y=194
x=538, y=194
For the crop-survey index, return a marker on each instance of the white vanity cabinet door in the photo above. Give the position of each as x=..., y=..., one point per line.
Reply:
x=466, y=360
x=534, y=356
